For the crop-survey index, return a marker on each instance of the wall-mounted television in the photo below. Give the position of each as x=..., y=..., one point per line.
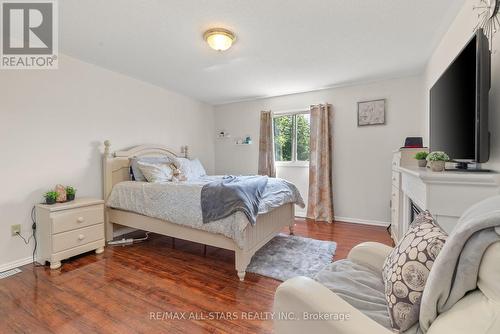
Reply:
x=459, y=105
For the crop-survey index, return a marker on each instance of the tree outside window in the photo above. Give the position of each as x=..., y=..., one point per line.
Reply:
x=291, y=138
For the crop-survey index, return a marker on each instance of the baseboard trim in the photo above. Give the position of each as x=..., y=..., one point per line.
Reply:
x=362, y=221
x=15, y=264
x=300, y=214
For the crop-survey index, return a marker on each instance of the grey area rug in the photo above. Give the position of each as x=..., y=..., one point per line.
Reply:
x=287, y=256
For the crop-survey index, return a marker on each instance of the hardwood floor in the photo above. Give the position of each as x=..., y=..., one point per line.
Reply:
x=131, y=289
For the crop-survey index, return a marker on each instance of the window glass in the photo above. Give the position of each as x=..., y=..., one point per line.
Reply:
x=291, y=137
x=283, y=137
x=303, y=136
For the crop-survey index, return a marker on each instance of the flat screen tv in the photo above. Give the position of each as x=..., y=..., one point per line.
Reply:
x=459, y=105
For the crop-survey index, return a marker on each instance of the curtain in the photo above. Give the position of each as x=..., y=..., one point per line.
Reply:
x=266, y=145
x=320, y=202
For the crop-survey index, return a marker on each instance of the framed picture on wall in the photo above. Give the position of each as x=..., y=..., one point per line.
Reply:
x=371, y=112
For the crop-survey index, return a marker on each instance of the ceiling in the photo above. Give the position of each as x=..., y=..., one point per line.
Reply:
x=283, y=46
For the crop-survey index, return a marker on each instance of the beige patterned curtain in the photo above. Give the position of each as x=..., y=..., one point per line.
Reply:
x=320, y=202
x=266, y=147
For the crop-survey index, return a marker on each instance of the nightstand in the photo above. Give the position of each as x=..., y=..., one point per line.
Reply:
x=68, y=229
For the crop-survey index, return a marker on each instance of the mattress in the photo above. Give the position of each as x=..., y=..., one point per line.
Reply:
x=179, y=203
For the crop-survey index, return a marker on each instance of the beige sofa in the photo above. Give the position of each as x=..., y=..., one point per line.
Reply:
x=478, y=312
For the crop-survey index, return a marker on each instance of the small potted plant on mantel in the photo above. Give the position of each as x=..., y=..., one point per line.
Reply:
x=50, y=197
x=70, y=193
x=422, y=158
x=438, y=160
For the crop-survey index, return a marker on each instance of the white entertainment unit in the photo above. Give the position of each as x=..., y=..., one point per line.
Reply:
x=445, y=194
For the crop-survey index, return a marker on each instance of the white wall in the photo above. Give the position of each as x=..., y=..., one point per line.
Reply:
x=53, y=124
x=453, y=41
x=362, y=156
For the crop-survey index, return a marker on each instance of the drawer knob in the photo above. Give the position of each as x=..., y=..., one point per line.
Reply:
x=81, y=237
x=80, y=219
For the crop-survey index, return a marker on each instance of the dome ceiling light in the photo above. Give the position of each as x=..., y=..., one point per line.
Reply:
x=219, y=39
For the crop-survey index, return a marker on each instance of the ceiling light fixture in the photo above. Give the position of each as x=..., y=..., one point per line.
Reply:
x=219, y=39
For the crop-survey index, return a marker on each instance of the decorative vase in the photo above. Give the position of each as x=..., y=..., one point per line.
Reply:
x=70, y=197
x=437, y=166
x=50, y=200
x=422, y=163
x=61, y=193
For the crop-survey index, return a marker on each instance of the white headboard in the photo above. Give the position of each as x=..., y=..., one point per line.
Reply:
x=116, y=166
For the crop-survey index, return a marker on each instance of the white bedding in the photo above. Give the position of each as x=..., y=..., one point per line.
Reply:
x=179, y=203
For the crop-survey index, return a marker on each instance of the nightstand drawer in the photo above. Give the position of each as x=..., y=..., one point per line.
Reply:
x=72, y=219
x=75, y=238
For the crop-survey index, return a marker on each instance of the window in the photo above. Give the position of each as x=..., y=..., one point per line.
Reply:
x=291, y=138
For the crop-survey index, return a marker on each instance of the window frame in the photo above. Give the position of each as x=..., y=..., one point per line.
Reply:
x=294, y=162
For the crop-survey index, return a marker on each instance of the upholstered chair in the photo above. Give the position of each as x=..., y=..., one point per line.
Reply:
x=477, y=312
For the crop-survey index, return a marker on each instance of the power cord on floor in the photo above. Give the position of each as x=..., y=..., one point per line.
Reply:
x=130, y=241
x=146, y=237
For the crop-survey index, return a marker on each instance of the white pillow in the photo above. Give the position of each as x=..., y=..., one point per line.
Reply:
x=193, y=169
x=156, y=173
x=138, y=176
x=197, y=169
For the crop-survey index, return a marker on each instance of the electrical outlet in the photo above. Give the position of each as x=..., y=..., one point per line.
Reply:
x=14, y=229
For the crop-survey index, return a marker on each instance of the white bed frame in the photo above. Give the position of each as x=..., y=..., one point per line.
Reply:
x=116, y=168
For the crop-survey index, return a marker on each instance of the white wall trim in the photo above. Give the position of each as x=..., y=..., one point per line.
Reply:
x=362, y=221
x=300, y=213
x=15, y=264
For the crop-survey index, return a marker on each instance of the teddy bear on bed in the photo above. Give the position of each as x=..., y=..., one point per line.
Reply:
x=178, y=175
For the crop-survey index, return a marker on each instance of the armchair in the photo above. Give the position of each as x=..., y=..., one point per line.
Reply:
x=477, y=312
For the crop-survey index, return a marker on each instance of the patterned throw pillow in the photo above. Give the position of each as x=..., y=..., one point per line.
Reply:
x=136, y=171
x=192, y=169
x=156, y=173
x=407, y=267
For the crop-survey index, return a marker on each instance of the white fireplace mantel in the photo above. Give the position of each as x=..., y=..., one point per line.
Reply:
x=445, y=194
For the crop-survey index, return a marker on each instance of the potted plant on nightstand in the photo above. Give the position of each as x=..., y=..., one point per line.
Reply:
x=421, y=158
x=437, y=160
x=50, y=197
x=70, y=193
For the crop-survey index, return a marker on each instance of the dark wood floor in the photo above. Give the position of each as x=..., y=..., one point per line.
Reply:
x=121, y=290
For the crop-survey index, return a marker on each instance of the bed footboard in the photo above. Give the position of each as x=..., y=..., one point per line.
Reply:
x=267, y=227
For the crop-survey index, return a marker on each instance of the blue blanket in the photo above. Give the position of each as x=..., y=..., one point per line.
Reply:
x=222, y=198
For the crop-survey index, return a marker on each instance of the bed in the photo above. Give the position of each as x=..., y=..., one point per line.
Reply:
x=116, y=170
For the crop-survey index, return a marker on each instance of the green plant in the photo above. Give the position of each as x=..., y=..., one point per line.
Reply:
x=51, y=195
x=438, y=156
x=70, y=190
x=284, y=137
x=421, y=155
